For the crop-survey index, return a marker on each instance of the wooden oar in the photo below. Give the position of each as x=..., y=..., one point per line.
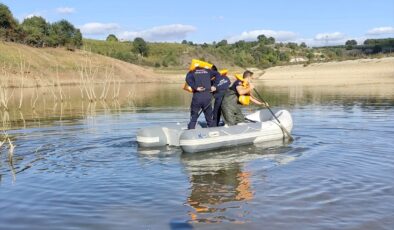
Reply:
x=280, y=124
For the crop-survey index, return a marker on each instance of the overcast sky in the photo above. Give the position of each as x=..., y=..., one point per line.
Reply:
x=314, y=22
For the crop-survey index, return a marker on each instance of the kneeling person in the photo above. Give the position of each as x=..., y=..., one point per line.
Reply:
x=238, y=94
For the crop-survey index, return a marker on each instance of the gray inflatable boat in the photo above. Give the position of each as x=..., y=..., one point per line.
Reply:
x=263, y=127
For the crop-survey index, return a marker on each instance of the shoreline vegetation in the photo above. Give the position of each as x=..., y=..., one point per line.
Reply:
x=23, y=66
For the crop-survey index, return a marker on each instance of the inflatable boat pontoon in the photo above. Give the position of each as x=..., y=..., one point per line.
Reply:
x=261, y=128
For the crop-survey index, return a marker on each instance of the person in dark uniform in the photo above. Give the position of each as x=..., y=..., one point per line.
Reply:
x=200, y=81
x=221, y=84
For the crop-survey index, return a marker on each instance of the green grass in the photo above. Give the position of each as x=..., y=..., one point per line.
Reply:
x=175, y=56
x=165, y=56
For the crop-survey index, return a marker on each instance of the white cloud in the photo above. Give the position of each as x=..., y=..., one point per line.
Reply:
x=381, y=30
x=328, y=39
x=35, y=14
x=336, y=36
x=96, y=28
x=65, y=10
x=280, y=36
x=174, y=32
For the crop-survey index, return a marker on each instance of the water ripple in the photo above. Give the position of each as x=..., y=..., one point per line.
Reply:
x=90, y=173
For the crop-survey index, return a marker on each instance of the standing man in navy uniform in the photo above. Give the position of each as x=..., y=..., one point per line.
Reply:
x=221, y=83
x=200, y=81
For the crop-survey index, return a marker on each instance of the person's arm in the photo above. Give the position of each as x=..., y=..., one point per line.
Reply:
x=190, y=80
x=215, y=76
x=242, y=90
x=254, y=100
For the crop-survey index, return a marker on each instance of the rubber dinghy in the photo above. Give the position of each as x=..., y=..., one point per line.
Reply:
x=263, y=128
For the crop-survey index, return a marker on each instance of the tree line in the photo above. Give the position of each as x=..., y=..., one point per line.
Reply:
x=36, y=31
x=264, y=52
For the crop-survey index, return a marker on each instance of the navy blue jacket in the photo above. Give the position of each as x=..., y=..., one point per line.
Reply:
x=221, y=83
x=201, y=78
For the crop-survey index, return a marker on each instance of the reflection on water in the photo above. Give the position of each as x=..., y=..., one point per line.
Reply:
x=45, y=107
x=76, y=160
x=142, y=97
x=219, y=181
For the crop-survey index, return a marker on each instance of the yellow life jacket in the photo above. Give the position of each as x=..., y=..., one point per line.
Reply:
x=198, y=63
x=187, y=88
x=223, y=72
x=243, y=99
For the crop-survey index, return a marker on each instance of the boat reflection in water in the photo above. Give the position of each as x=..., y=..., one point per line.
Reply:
x=221, y=185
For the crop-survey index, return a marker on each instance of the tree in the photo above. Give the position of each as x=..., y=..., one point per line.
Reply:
x=36, y=31
x=351, y=43
x=377, y=49
x=292, y=45
x=184, y=42
x=8, y=24
x=112, y=38
x=270, y=41
x=240, y=44
x=284, y=57
x=262, y=39
x=140, y=46
x=310, y=56
x=63, y=33
x=222, y=43
x=303, y=45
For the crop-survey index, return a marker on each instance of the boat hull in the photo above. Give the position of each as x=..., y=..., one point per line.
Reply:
x=264, y=128
x=200, y=140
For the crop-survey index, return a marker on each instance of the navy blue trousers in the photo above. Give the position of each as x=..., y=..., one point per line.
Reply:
x=217, y=109
x=200, y=101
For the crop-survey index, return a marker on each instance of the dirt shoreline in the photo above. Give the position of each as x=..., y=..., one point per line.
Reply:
x=345, y=73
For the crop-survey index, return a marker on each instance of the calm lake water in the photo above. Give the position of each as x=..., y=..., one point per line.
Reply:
x=78, y=166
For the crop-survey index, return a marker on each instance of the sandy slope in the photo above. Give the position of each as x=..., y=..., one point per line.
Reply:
x=346, y=73
x=43, y=63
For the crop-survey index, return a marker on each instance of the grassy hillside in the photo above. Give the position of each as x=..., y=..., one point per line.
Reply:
x=47, y=66
x=162, y=56
x=263, y=53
